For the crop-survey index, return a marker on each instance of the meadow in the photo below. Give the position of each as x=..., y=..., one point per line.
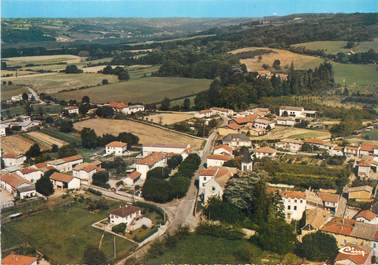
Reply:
x=334, y=47
x=69, y=233
x=147, y=134
x=169, y=118
x=44, y=59
x=146, y=90
x=281, y=132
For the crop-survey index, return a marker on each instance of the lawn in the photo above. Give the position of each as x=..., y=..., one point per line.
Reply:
x=333, y=47
x=280, y=132
x=69, y=233
x=169, y=118
x=286, y=58
x=55, y=82
x=44, y=59
x=203, y=249
x=146, y=90
x=8, y=91
x=147, y=134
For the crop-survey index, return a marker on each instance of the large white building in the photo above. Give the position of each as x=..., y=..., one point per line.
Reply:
x=124, y=215
x=65, y=164
x=85, y=171
x=217, y=160
x=31, y=174
x=178, y=149
x=145, y=164
x=64, y=181
x=17, y=186
x=265, y=151
x=294, y=204
x=13, y=160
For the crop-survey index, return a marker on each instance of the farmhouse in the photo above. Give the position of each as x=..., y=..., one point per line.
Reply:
x=350, y=231
x=64, y=181
x=132, y=178
x=124, y=215
x=212, y=180
x=179, y=149
x=152, y=160
x=367, y=149
x=223, y=150
x=206, y=113
x=237, y=140
x=291, y=145
x=290, y=111
x=360, y=256
x=245, y=119
x=265, y=151
x=17, y=186
x=71, y=110
x=367, y=168
x=118, y=106
x=314, y=142
x=13, y=160
x=85, y=171
x=351, y=151
x=294, y=204
x=359, y=193
x=330, y=200
x=14, y=259
x=116, y=147
x=65, y=164
x=133, y=109
x=286, y=121
x=222, y=111
x=336, y=150
x=366, y=216
x=265, y=124
x=31, y=174
x=217, y=160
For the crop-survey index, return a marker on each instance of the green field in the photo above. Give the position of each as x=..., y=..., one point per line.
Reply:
x=146, y=90
x=358, y=77
x=62, y=234
x=333, y=47
x=54, y=82
x=203, y=249
x=71, y=138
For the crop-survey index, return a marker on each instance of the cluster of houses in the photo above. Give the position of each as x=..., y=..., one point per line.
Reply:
x=125, y=108
x=22, y=123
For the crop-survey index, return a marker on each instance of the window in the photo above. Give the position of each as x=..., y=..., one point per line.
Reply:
x=295, y=208
x=301, y=201
x=288, y=207
x=295, y=201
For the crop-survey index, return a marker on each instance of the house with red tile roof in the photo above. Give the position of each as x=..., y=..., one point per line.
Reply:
x=64, y=181
x=32, y=174
x=223, y=149
x=12, y=159
x=367, y=167
x=294, y=203
x=117, y=148
x=17, y=186
x=85, y=171
x=171, y=148
x=217, y=160
x=265, y=151
x=366, y=216
x=243, y=120
x=14, y=259
x=65, y=164
x=132, y=178
x=152, y=160
x=126, y=215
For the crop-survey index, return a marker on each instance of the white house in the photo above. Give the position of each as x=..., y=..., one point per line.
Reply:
x=145, y=164
x=352, y=151
x=64, y=181
x=246, y=163
x=291, y=145
x=178, y=149
x=217, y=160
x=13, y=160
x=65, y=164
x=366, y=216
x=367, y=168
x=237, y=140
x=265, y=124
x=223, y=149
x=17, y=186
x=118, y=106
x=314, y=142
x=130, y=109
x=336, y=150
x=124, y=215
x=207, y=113
x=296, y=112
x=85, y=171
x=330, y=200
x=132, y=178
x=72, y=110
x=212, y=180
x=3, y=129
x=265, y=151
x=294, y=204
x=286, y=121
x=31, y=174
x=116, y=147
x=223, y=111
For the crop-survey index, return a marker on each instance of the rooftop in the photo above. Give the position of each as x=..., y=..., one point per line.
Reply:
x=152, y=158
x=366, y=214
x=219, y=157
x=13, y=180
x=116, y=144
x=125, y=211
x=57, y=176
x=294, y=195
x=14, y=259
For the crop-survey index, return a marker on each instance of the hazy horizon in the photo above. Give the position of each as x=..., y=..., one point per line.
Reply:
x=178, y=8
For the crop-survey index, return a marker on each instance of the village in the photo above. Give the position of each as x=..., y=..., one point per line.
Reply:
x=137, y=173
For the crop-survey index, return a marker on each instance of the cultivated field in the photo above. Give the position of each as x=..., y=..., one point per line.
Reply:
x=15, y=144
x=55, y=82
x=46, y=139
x=290, y=132
x=286, y=57
x=146, y=133
x=146, y=90
x=169, y=118
x=13, y=90
x=44, y=59
x=69, y=234
x=333, y=47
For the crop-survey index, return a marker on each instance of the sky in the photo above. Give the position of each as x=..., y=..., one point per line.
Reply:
x=178, y=8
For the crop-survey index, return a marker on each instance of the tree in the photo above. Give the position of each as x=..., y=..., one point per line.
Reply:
x=105, y=112
x=66, y=150
x=129, y=138
x=186, y=105
x=33, y=151
x=25, y=97
x=88, y=138
x=66, y=126
x=217, y=209
x=165, y=104
x=100, y=179
x=44, y=185
x=120, y=165
x=94, y=256
x=158, y=172
x=72, y=69
x=123, y=75
x=83, y=108
x=105, y=81
x=318, y=246
x=277, y=64
x=174, y=161
x=85, y=100
x=119, y=229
